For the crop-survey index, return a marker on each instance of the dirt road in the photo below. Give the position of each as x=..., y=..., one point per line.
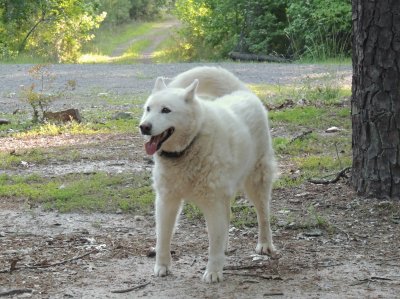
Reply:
x=138, y=79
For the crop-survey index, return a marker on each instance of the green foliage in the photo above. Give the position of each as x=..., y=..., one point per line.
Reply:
x=319, y=29
x=124, y=11
x=218, y=27
x=213, y=28
x=117, y=11
x=55, y=29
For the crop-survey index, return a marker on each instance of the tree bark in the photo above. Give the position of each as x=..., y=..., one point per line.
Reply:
x=375, y=103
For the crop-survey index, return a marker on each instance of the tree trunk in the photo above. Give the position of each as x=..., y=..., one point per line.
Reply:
x=375, y=103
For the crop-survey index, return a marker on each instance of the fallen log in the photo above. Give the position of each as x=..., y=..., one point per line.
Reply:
x=4, y=121
x=256, y=57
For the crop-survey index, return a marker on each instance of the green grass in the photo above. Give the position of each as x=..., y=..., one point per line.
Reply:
x=327, y=92
x=80, y=192
x=108, y=38
x=311, y=107
x=100, y=50
x=95, y=122
x=27, y=58
x=11, y=160
x=168, y=51
x=311, y=117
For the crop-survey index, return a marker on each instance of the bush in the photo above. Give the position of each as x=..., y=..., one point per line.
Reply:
x=314, y=28
x=217, y=27
x=319, y=29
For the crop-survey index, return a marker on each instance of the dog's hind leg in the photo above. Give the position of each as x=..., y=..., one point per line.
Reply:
x=166, y=214
x=258, y=188
x=218, y=226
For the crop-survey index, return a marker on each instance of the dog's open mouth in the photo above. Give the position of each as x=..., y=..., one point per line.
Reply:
x=155, y=142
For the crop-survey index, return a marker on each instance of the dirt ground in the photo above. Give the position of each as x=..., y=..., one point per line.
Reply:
x=354, y=253
x=78, y=255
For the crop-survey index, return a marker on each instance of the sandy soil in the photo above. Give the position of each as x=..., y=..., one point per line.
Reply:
x=53, y=255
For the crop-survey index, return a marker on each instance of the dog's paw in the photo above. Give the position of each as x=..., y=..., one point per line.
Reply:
x=161, y=270
x=268, y=249
x=212, y=277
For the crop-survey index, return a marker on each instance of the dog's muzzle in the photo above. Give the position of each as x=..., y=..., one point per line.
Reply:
x=145, y=128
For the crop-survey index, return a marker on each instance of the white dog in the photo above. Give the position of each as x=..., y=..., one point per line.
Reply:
x=204, y=151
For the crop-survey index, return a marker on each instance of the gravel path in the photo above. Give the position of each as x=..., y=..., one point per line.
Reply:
x=138, y=79
x=156, y=36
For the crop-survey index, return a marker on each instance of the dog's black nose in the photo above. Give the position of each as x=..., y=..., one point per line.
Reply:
x=145, y=129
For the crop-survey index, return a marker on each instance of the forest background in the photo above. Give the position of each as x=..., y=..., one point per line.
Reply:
x=60, y=30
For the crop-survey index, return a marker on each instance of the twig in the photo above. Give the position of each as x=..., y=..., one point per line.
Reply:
x=274, y=294
x=341, y=174
x=329, y=265
x=343, y=232
x=131, y=289
x=193, y=262
x=301, y=136
x=337, y=155
x=371, y=279
x=62, y=262
x=267, y=277
x=14, y=267
x=380, y=278
x=246, y=267
x=15, y=292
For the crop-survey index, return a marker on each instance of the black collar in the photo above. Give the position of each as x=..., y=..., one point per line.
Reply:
x=176, y=155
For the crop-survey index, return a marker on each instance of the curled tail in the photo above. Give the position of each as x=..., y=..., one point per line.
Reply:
x=214, y=82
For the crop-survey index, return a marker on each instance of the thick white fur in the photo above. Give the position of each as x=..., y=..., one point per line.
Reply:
x=231, y=150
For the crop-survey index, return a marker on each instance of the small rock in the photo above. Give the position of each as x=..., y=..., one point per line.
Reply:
x=24, y=164
x=68, y=295
x=257, y=258
x=281, y=223
x=302, y=194
x=151, y=252
x=302, y=102
x=123, y=115
x=139, y=218
x=332, y=130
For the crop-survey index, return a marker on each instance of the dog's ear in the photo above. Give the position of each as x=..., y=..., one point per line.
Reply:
x=191, y=91
x=159, y=85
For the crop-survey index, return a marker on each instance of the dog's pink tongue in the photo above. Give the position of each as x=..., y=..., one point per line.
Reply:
x=151, y=146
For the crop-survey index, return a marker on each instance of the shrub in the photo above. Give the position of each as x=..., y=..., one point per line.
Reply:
x=319, y=29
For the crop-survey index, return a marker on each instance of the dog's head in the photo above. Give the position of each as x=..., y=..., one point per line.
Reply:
x=170, y=119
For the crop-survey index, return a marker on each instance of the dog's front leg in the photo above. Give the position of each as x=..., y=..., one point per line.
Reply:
x=217, y=225
x=166, y=212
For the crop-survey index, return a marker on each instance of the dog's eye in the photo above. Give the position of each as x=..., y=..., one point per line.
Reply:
x=165, y=110
x=148, y=109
